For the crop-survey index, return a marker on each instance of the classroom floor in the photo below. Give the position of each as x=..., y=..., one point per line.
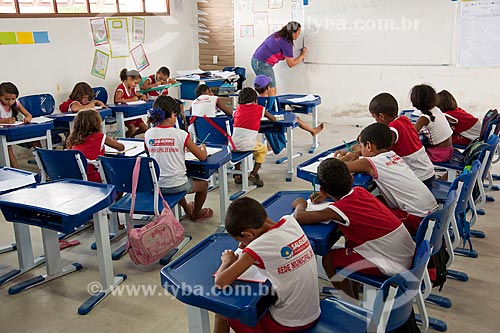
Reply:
x=53, y=307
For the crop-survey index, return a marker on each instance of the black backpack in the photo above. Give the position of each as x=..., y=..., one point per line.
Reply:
x=472, y=151
x=438, y=264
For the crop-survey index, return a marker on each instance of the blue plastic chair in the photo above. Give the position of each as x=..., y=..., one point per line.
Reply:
x=118, y=171
x=101, y=94
x=38, y=105
x=392, y=307
x=204, y=129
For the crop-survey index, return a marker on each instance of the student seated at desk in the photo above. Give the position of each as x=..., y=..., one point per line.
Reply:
x=167, y=144
x=377, y=243
x=246, y=129
x=281, y=252
x=206, y=104
x=405, y=140
x=432, y=123
x=405, y=195
x=262, y=85
x=9, y=111
x=465, y=126
x=87, y=137
x=160, y=78
x=125, y=92
x=81, y=98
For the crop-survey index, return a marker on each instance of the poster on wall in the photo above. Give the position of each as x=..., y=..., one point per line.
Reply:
x=100, y=64
x=246, y=31
x=246, y=5
x=140, y=58
x=99, y=32
x=118, y=37
x=275, y=4
x=260, y=18
x=138, y=29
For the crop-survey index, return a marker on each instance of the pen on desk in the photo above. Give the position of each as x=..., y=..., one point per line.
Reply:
x=314, y=189
x=115, y=134
x=348, y=146
x=203, y=141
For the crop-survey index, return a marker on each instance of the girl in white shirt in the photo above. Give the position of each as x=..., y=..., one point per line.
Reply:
x=167, y=145
x=432, y=123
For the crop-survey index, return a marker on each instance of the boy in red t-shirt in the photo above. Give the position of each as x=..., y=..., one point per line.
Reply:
x=377, y=242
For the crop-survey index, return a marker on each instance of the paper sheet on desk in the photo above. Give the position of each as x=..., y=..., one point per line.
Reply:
x=17, y=123
x=40, y=120
x=416, y=113
x=132, y=148
x=313, y=167
x=210, y=151
x=308, y=98
x=136, y=102
x=190, y=72
x=316, y=207
x=252, y=274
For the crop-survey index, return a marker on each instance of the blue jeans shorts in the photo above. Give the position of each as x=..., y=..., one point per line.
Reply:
x=263, y=68
x=186, y=187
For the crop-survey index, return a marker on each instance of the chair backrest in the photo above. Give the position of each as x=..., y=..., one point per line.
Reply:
x=269, y=103
x=486, y=155
x=38, y=105
x=394, y=300
x=435, y=224
x=487, y=124
x=118, y=171
x=101, y=94
x=468, y=180
x=61, y=164
x=203, y=128
x=241, y=72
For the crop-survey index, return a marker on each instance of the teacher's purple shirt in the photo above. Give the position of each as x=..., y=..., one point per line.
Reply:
x=273, y=50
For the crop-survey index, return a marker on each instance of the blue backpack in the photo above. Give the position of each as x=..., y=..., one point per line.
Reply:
x=277, y=141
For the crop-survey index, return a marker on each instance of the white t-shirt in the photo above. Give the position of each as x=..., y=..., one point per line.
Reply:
x=400, y=186
x=286, y=257
x=4, y=113
x=204, y=105
x=167, y=146
x=438, y=130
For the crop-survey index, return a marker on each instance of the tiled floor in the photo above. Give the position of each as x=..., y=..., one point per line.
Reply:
x=53, y=307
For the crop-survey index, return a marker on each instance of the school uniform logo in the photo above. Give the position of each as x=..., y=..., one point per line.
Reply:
x=286, y=252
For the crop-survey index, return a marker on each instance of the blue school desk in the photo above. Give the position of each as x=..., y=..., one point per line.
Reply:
x=306, y=108
x=161, y=87
x=10, y=180
x=68, y=118
x=320, y=235
x=190, y=279
x=282, y=126
x=61, y=206
x=188, y=85
x=124, y=112
x=11, y=135
x=360, y=179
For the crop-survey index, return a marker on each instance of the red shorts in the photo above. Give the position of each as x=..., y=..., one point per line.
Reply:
x=457, y=139
x=439, y=154
x=411, y=222
x=353, y=261
x=266, y=324
x=136, y=122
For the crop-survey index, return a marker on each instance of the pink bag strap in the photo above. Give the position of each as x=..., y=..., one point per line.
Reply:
x=221, y=131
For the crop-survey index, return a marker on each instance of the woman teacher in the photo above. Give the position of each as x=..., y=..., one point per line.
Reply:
x=278, y=46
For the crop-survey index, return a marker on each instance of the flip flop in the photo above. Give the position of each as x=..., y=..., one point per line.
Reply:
x=208, y=213
x=64, y=243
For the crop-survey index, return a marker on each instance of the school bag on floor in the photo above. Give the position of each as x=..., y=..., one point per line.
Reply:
x=154, y=240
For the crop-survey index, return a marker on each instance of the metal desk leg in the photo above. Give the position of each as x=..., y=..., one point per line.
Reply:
x=48, y=136
x=223, y=194
x=107, y=280
x=198, y=320
x=53, y=264
x=120, y=122
x=289, y=151
x=24, y=253
x=314, y=124
x=4, y=151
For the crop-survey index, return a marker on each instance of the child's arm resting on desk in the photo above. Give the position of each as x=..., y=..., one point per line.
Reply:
x=361, y=165
x=232, y=267
x=200, y=152
x=270, y=116
x=114, y=144
x=226, y=109
x=119, y=98
x=421, y=122
x=26, y=114
x=312, y=217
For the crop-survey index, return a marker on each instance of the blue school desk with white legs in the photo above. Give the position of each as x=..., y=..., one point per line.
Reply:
x=10, y=180
x=307, y=107
x=188, y=85
x=61, y=206
x=281, y=126
x=11, y=135
x=68, y=118
x=124, y=112
x=190, y=279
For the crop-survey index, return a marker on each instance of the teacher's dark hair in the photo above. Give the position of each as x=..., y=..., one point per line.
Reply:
x=288, y=30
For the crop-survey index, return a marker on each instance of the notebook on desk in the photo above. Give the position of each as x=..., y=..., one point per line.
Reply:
x=132, y=148
x=210, y=151
x=136, y=102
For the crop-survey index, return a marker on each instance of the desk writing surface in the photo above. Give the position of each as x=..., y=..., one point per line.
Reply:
x=190, y=279
x=11, y=179
x=25, y=131
x=288, y=100
x=133, y=148
x=130, y=110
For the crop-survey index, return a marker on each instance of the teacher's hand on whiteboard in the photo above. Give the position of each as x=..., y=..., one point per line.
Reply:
x=304, y=51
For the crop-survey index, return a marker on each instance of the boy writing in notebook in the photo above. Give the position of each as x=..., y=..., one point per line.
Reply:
x=405, y=195
x=274, y=248
x=377, y=243
x=206, y=104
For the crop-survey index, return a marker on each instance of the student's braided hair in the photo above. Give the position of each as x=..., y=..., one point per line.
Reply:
x=423, y=97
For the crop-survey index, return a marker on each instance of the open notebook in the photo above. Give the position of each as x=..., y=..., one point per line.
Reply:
x=132, y=148
x=210, y=151
x=252, y=274
x=313, y=167
x=136, y=102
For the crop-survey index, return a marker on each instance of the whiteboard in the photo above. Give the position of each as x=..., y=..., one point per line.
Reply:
x=386, y=32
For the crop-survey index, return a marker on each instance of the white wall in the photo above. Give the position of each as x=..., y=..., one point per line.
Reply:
x=55, y=67
x=346, y=90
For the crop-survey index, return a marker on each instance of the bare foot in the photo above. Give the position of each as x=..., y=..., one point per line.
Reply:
x=317, y=129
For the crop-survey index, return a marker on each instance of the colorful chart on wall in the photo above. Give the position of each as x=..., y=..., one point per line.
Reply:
x=99, y=32
x=100, y=64
x=138, y=29
x=118, y=37
x=24, y=37
x=139, y=57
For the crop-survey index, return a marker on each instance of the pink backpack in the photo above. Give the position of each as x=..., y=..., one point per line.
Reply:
x=154, y=240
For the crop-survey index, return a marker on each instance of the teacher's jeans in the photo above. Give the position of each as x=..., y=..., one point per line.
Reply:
x=263, y=68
